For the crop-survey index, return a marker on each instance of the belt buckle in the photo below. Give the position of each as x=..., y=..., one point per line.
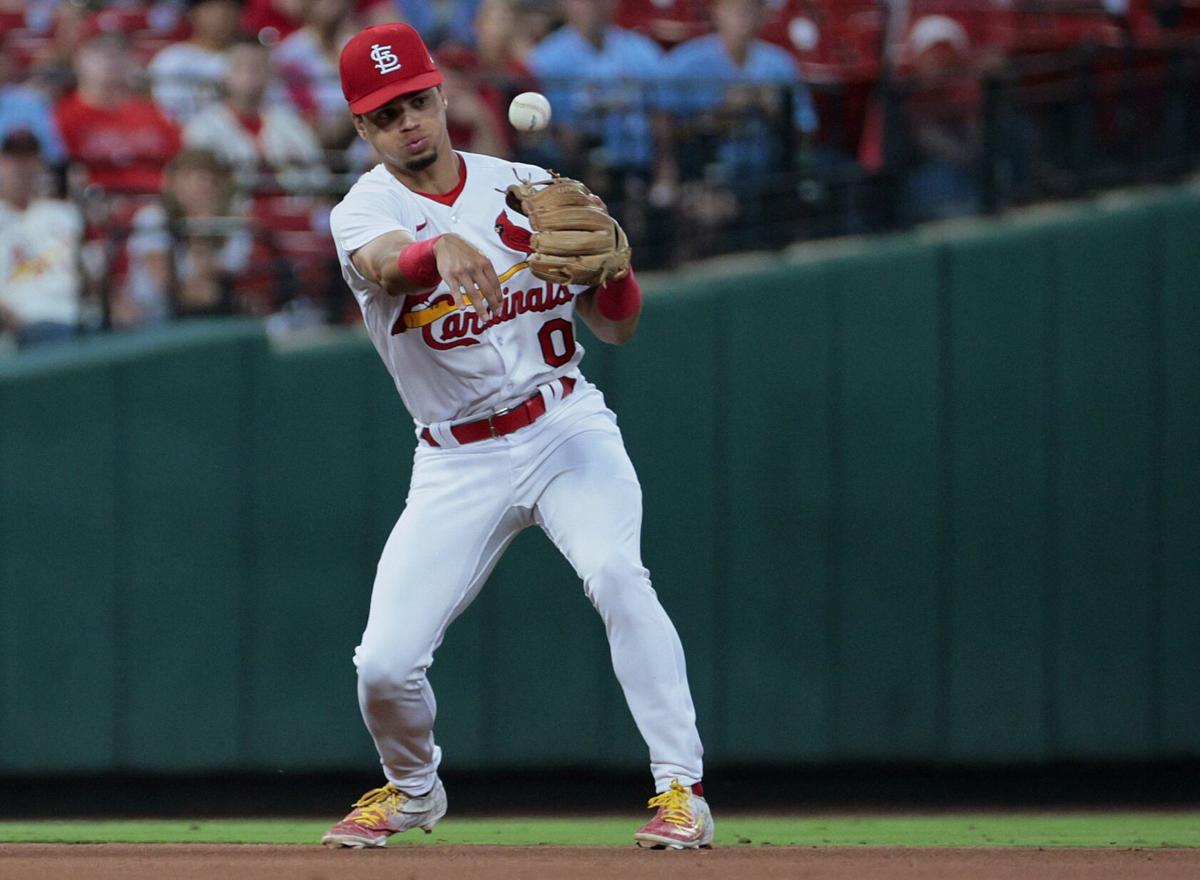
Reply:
x=492, y=424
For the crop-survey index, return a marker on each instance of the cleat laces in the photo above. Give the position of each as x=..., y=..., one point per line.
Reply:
x=675, y=805
x=374, y=806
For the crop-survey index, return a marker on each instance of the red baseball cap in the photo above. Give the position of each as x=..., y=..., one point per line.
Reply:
x=382, y=62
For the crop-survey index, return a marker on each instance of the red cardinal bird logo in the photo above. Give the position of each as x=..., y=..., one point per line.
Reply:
x=513, y=236
x=420, y=311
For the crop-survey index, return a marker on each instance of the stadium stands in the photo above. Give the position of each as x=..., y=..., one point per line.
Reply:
x=916, y=104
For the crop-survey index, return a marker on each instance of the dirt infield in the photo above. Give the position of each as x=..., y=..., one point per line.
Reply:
x=112, y=861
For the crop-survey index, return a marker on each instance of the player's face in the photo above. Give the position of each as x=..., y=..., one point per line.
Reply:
x=408, y=131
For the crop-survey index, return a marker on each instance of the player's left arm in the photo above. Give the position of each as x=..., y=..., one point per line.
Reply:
x=612, y=310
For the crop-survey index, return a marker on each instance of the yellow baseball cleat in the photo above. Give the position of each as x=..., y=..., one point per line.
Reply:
x=683, y=820
x=382, y=812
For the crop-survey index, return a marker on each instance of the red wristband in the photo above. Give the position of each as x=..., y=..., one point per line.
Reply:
x=619, y=299
x=418, y=263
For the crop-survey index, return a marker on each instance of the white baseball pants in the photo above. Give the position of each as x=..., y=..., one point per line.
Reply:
x=569, y=473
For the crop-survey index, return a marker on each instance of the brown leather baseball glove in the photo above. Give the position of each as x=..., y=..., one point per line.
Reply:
x=575, y=239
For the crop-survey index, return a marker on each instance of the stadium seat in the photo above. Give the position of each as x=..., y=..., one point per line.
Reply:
x=833, y=42
x=1046, y=29
x=24, y=49
x=11, y=20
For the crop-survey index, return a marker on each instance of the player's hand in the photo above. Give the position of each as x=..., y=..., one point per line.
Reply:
x=468, y=273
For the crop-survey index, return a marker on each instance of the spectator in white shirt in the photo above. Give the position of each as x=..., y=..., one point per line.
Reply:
x=265, y=141
x=307, y=61
x=185, y=76
x=187, y=251
x=40, y=281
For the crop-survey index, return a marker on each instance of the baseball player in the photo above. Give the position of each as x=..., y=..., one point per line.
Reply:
x=509, y=434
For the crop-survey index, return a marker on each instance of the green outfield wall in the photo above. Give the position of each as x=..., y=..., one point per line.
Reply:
x=926, y=498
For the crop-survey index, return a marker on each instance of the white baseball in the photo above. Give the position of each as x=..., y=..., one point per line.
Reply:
x=529, y=111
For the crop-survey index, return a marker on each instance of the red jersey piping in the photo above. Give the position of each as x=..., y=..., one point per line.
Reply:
x=447, y=198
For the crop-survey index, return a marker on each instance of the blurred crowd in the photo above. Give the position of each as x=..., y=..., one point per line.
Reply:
x=180, y=157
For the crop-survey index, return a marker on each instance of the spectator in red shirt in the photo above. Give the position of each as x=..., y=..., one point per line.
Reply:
x=122, y=141
x=502, y=40
x=474, y=119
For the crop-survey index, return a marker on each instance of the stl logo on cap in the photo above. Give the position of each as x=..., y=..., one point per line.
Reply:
x=382, y=63
x=385, y=59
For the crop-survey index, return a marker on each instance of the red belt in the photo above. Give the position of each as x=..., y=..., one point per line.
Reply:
x=503, y=421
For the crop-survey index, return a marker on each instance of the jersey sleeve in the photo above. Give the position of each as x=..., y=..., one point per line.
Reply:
x=364, y=215
x=525, y=171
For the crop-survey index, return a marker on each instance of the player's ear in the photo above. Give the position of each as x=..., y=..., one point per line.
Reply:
x=360, y=126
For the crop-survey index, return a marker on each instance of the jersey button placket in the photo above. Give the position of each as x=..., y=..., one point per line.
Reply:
x=495, y=338
x=507, y=387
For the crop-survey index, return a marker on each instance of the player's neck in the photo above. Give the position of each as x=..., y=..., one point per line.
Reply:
x=440, y=177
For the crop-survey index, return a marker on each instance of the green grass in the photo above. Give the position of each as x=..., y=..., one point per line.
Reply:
x=969, y=830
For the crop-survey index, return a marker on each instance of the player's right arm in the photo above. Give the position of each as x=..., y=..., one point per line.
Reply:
x=401, y=266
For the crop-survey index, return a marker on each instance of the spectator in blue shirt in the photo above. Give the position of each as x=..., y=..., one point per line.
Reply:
x=24, y=107
x=601, y=82
x=729, y=95
x=733, y=89
x=441, y=21
x=604, y=83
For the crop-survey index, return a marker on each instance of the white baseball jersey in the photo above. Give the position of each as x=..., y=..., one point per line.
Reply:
x=450, y=365
x=567, y=472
